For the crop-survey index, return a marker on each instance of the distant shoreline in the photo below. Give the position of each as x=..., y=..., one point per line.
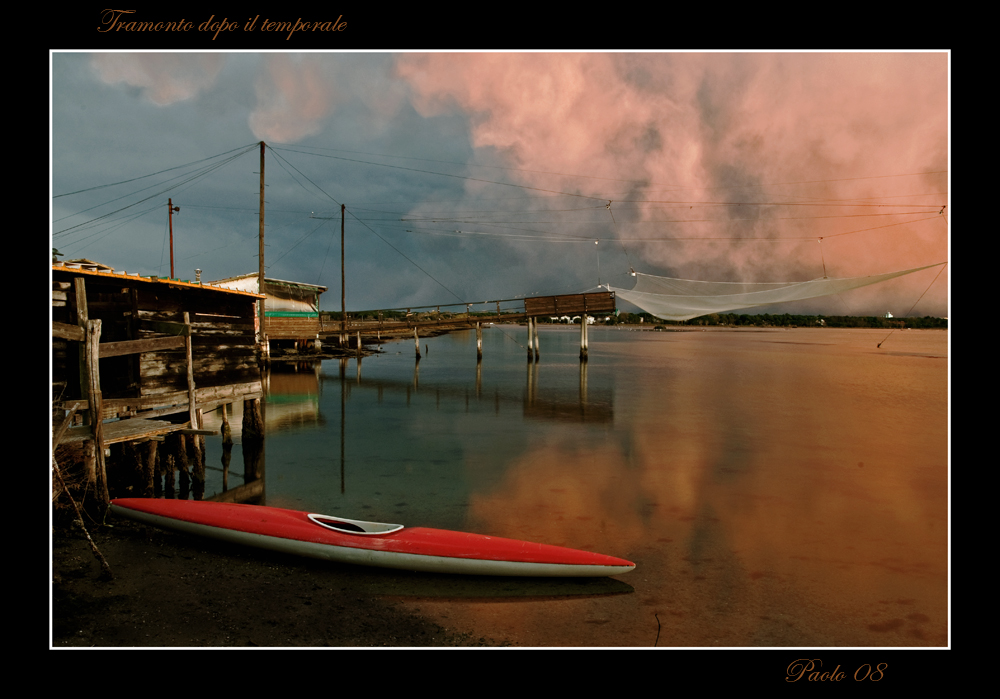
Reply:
x=766, y=320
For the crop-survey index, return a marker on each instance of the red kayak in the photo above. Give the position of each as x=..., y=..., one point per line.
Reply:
x=368, y=543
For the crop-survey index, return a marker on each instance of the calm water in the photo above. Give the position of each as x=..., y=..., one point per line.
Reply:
x=773, y=487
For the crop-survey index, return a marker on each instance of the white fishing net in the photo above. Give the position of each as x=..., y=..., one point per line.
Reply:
x=683, y=299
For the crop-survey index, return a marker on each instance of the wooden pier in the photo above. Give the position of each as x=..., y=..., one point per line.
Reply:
x=374, y=326
x=136, y=359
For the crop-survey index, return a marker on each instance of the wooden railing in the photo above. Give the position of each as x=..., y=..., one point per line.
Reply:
x=530, y=307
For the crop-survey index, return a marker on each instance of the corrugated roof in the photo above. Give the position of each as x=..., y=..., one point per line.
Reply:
x=253, y=275
x=153, y=280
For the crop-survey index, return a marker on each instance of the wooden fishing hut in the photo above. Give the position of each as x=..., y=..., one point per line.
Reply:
x=137, y=358
x=291, y=309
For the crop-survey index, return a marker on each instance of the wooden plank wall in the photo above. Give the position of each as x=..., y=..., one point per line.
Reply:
x=223, y=352
x=278, y=328
x=222, y=334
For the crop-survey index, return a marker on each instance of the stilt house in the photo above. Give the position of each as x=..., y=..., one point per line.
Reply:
x=140, y=356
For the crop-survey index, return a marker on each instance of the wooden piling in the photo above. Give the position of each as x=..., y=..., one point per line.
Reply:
x=149, y=467
x=165, y=468
x=253, y=421
x=92, y=353
x=479, y=341
x=178, y=448
x=584, y=344
x=531, y=351
x=227, y=430
x=416, y=342
x=194, y=414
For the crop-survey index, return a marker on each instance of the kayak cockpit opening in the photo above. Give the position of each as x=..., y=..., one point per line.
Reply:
x=353, y=526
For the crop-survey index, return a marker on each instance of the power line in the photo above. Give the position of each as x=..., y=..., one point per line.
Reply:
x=446, y=174
x=617, y=179
x=141, y=177
x=429, y=275
x=189, y=178
x=578, y=238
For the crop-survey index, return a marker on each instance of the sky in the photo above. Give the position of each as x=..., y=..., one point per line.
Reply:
x=475, y=176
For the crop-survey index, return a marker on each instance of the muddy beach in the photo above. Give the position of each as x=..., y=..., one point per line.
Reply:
x=172, y=590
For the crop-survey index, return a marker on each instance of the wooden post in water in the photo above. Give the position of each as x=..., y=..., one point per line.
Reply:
x=479, y=342
x=181, y=461
x=583, y=338
x=253, y=421
x=531, y=351
x=343, y=286
x=535, y=326
x=227, y=430
x=416, y=341
x=359, y=344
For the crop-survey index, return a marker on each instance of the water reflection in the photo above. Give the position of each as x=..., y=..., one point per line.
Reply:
x=406, y=586
x=292, y=396
x=291, y=403
x=779, y=488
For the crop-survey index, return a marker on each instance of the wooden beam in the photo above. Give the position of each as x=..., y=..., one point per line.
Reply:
x=91, y=356
x=208, y=397
x=152, y=344
x=192, y=401
x=124, y=431
x=80, y=301
x=66, y=422
x=65, y=331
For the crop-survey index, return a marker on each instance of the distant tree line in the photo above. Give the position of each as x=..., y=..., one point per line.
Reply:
x=785, y=320
x=733, y=320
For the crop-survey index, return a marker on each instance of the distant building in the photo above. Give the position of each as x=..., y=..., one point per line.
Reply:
x=887, y=315
x=291, y=309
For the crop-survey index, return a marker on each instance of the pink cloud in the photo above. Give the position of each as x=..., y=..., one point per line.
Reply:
x=294, y=96
x=711, y=130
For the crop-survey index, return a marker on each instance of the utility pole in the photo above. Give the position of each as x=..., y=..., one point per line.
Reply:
x=260, y=260
x=170, y=215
